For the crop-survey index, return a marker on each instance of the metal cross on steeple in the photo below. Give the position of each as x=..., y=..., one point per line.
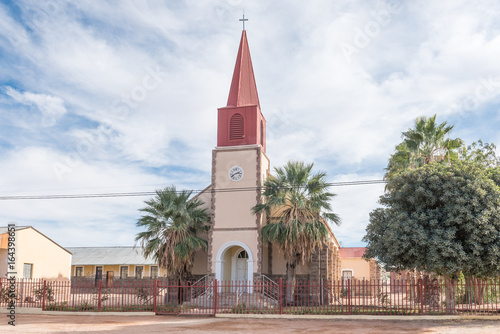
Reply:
x=243, y=20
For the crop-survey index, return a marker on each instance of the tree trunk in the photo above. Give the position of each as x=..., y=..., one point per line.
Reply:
x=430, y=287
x=468, y=290
x=478, y=286
x=450, y=289
x=427, y=288
x=291, y=280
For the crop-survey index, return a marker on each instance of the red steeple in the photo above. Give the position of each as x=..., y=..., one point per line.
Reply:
x=241, y=122
x=243, y=88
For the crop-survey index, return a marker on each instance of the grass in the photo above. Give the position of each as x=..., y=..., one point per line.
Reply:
x=90, y=307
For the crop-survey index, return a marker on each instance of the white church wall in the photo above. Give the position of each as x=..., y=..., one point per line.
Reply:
x=206, y=197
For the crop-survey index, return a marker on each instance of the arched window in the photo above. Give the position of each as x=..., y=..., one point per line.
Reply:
x=236, y=127
x=243, y=255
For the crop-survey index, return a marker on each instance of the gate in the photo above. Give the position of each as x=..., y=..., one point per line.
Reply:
x=186, y=298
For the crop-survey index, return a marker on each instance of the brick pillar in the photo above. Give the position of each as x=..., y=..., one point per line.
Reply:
x=325, y=270
x=323, y=263
x=339, y=268
x=314, y=277
x=314, y=266
x=336, y=272
x=331, y=266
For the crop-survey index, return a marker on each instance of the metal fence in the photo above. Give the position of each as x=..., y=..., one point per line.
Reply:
x=263, y=296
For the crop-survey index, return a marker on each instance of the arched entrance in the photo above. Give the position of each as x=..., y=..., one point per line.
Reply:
x=234, y=262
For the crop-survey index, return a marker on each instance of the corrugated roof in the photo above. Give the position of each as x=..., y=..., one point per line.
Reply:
x=108, y=256
x=352, y=252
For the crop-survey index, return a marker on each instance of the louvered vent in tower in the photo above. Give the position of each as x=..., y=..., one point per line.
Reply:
x=236, y=127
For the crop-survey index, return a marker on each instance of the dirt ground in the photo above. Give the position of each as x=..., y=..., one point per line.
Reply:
x=170, y=324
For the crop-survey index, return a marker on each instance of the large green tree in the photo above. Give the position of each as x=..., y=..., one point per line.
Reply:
x=426, y=142
x=174, y=226
x=439, y=218
x=297, y=205
x=482, y=154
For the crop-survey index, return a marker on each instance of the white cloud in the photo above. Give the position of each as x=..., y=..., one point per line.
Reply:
x=51, y=107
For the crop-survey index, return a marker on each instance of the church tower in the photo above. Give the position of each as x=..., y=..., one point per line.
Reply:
x=239, y=168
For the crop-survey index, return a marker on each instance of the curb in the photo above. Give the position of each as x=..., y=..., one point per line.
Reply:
x=359, y=317
x=39, y=311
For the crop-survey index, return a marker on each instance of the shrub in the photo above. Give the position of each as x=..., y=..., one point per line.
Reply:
x=5, y=296
x=49, y=293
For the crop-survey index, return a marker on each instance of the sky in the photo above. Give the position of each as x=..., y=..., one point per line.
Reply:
x=113, y=97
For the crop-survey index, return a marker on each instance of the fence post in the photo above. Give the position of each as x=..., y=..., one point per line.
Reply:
x=280, y=295
x=321, y=291
x=349, y=296
x=155, y=291
x=421, y=293
x=123, y=290
x=215, y=296
x=99, y=301
x=43, y=295
x=22, y=288
x=364, y=291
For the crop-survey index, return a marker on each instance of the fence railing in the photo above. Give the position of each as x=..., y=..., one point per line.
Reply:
x=265, y=296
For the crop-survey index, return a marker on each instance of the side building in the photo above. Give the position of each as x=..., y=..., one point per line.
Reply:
x=111, y=263
x=36, y=255
x=354, y=266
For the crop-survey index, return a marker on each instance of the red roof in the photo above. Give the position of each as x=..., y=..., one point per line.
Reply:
x=243, y=88
x=352, y=251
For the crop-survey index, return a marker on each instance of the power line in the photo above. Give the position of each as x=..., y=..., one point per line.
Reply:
x=152, y=193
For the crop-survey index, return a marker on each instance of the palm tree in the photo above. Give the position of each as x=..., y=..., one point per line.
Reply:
x=423, y=144
x=173, y=227
x=296, y=203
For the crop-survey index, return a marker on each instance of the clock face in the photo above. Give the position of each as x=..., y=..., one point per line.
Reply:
x=236, y=173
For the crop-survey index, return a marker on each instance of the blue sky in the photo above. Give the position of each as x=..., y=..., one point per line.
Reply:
x=97, y=97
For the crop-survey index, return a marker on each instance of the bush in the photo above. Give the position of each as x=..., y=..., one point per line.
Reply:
x=49, y=293
x=5, y=296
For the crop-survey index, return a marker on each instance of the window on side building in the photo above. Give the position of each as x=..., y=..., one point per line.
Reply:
x=28, y=270
x=123, y=272
x=154, y=272
x=138, y=272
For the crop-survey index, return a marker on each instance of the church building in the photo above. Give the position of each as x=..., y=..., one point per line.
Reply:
x=240, y=166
